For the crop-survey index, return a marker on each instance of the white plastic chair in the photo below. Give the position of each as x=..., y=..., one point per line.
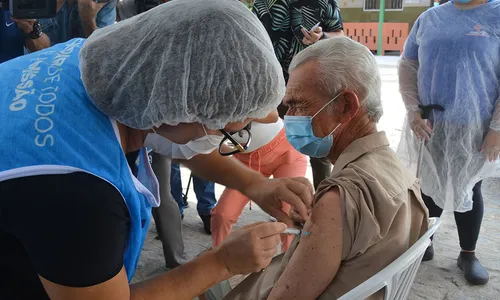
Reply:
x=397, y=278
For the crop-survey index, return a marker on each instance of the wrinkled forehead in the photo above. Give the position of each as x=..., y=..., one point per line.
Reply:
x=302, y=87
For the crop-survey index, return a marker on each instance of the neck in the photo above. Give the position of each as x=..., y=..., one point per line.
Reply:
x=131, y=139
x=360, y=126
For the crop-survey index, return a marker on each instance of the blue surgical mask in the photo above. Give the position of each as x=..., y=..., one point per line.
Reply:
x=300, y=135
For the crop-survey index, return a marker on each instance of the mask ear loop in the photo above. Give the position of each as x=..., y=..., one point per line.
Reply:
x=203, y=126
x=154, y=130
x=326, y=106
x=333, y=99
x=335, y=128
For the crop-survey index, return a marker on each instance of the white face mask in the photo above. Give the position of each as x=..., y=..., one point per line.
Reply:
x=164, y=146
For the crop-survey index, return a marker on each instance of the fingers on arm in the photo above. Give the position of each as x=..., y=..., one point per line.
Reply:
x=307, y=183
x=281, y=216
x=299, y=195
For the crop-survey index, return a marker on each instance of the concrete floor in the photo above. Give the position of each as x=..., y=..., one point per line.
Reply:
x=439, y=279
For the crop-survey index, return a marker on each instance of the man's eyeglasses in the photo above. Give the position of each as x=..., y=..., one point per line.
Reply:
x=235, y=142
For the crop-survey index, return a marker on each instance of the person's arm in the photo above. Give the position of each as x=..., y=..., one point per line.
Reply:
x=495, y=121
x=333, y=21
x=107, y=15
x=88, y=10
x=249, y=249
x=317, y=258
x=491, y=143
x=33, y=45
x=332, y=26
x=408, y=85
x=408, y=71
x=76, y=237
x=38, y=44
x=185, y=282
x=267, y=193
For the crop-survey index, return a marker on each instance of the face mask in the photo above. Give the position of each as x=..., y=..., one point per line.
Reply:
x=164, y=146
x=300, y=135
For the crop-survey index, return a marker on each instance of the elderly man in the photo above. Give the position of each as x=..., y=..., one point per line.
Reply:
x=293, y=26
x=370, y=210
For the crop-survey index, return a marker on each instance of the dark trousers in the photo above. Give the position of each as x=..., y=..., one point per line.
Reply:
x=167, y=216
x=468, y=223
x=204, y=190
x=321, y=167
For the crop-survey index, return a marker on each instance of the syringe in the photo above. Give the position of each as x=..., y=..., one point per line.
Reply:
x=296, y=232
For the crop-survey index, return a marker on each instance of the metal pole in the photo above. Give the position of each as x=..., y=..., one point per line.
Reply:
x=381, y=15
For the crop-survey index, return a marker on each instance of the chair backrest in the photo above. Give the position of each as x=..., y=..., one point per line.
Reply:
x=397, y=278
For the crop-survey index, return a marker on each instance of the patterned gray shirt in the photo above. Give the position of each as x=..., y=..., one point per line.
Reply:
x=282, y=17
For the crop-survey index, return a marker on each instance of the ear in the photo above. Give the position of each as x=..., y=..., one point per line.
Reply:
x=349, y=105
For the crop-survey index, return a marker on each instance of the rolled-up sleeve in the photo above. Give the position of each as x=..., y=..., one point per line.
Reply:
x=360, y=226
x=332, y=19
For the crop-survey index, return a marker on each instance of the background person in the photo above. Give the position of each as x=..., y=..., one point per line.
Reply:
x=16, y=35
x=78, y=230
x=463, y=140
x=78, y=18
x=369, y=211
x=289, y=25
x=205, y=195
x=75, y=18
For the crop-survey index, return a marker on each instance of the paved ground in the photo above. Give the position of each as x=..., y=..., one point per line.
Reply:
x=439, y=279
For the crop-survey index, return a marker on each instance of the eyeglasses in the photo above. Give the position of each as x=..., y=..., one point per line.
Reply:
x=235, y=142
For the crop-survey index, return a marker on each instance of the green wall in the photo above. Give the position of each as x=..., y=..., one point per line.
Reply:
x=407, y=15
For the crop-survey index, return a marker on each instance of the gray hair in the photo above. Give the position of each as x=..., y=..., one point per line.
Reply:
x=346, y=65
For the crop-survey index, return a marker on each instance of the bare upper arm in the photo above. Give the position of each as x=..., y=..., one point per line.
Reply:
x=116, y=288
x=317, y=258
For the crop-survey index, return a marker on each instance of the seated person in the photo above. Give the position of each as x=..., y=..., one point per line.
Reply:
x=369, y=211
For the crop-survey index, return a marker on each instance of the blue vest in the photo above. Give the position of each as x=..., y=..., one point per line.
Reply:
x=50, y=126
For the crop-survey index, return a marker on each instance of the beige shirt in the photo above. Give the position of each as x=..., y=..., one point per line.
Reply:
x=383, y=215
